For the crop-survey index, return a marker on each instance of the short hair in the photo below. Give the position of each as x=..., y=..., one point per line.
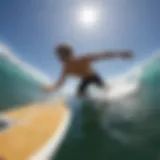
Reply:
x=64, y=49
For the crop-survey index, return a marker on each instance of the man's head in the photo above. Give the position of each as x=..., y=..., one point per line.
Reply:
x=64, y=51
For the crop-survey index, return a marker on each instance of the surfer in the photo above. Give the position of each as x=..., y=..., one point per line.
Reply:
x=81, y=67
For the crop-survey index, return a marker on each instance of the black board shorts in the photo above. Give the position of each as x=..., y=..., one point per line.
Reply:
x=86, y=81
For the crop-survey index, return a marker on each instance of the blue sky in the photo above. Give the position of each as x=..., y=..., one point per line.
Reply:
x=31, y=28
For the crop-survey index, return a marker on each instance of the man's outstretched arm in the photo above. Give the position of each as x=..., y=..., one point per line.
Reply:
x=57, y=85
x=108, y=55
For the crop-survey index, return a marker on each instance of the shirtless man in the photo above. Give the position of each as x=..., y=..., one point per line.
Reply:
x=81, y=67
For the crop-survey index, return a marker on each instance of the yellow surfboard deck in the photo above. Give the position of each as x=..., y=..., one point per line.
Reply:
x=34, y=126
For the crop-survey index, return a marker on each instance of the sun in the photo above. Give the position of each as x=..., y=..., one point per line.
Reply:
x=88, y=16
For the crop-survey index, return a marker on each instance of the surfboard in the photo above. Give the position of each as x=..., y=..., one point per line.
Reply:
x=35, y=132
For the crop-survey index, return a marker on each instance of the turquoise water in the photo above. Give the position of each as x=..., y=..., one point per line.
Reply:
x=123, y=128
x=17, y=87
x=126, y=127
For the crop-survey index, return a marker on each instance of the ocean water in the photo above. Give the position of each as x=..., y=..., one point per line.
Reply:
x=18, y=87
x=123, y=127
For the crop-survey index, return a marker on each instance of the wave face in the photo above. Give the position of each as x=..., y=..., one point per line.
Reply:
x=19, y=83
x=125, y=126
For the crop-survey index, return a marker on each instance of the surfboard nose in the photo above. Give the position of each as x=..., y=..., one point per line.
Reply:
x=38, y=129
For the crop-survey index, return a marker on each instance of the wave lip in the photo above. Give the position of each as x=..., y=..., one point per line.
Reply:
x=20, y=82
x=8, y=55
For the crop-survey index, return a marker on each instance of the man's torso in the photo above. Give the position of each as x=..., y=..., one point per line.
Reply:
x=78, y=67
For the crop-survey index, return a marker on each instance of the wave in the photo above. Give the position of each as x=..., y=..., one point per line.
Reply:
x=19, y=82
x=123, y=126
x=138, y=104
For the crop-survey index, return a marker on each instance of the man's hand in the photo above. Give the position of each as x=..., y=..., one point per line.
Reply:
x=48, y=88
x=57, y=85
x=126, y=54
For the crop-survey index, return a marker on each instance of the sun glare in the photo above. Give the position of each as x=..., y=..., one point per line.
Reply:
x=88, y=16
